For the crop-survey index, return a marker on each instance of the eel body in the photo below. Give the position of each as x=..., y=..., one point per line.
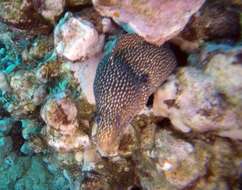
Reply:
x=124, y=80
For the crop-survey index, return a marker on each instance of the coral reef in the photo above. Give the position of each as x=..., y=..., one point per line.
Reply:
x=185, y=136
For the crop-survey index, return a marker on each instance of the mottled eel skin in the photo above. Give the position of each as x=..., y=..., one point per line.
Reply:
x=124, y=80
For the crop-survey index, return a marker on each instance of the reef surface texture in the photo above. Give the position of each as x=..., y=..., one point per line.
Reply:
x=120, y=95
x=148, y=18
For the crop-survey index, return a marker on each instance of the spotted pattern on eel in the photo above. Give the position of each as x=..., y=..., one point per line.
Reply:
x=124, y=80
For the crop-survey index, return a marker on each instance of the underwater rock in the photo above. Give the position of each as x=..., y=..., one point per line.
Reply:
x=22, y=15
x=91, y=159
x=30, y=128
x=95, y=182
x=205, y=98
x=6, y=124
x=167, y=161
x=191, y=101
x=108, y=26
x=223, y=23
x=30, y=173
x=4, y=85
x=85, y=72
x=189, y=169
x=155, y=21
x=10, y=48
x=39, y=48
x=63, y=131
x=6, y=146
x=170, y=151
x=48, y=71
x=27, y=92
x=111, y=174
x=226, y=69
x=77, y=39
x=27, y=87
x=102, y=24
x=223, y=163
x=49, y=9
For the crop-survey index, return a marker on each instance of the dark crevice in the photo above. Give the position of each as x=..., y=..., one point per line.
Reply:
x=149, y=103
x=136, y=188
x=16, y=135
x=181, y=56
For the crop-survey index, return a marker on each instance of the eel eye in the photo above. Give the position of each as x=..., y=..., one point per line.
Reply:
x=97, y=119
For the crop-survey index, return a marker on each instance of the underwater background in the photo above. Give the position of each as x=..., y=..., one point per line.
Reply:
x=74, y=114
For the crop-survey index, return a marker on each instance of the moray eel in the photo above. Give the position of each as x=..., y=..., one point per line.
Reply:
x=124, y=80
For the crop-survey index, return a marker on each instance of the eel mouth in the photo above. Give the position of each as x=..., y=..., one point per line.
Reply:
x=106, y=141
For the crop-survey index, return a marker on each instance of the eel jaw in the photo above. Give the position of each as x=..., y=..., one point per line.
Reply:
x=107, y=141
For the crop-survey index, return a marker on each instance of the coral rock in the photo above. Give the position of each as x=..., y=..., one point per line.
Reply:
x=77, y=39
x=85, y=72
x=205, y=99
x=170, y=162
x=223, y=23
x=22, y=15
x=4, y=86
x=156, y=21
x=62, y=131
x=49, y=9
x=27, y=87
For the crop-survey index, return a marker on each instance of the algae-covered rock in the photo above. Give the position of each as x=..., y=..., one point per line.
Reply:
x=29, y=173
x=220, y=24
x=39, y=49
x=6, y=145
x=22, y=14
x=6, y=124
x=169, y=162
x=63, y=131
x=27, y=92
x=49, y=9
